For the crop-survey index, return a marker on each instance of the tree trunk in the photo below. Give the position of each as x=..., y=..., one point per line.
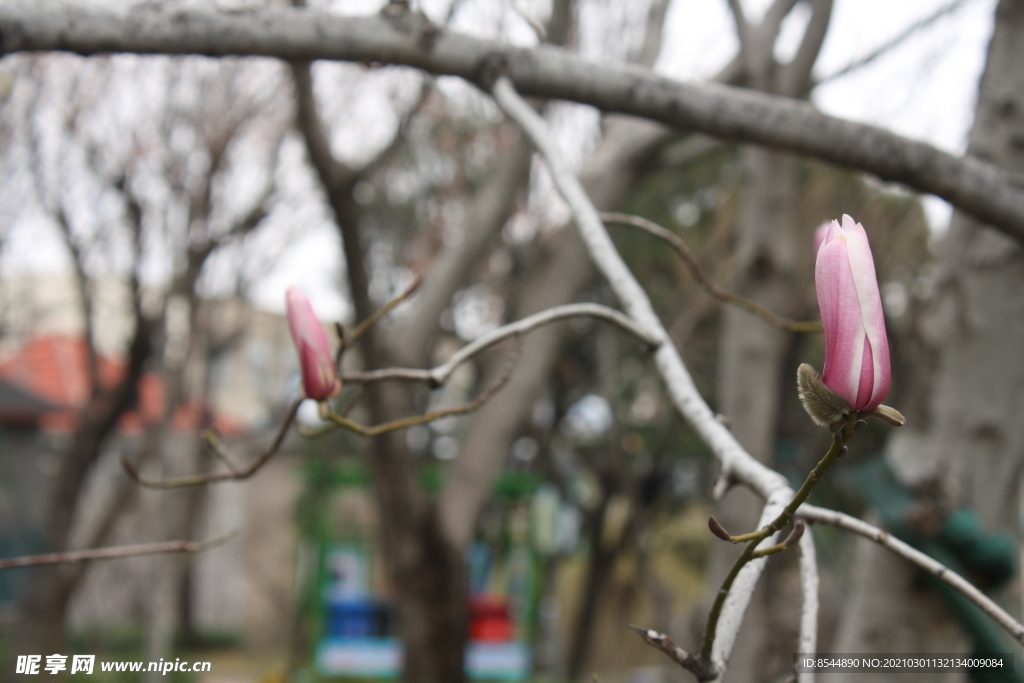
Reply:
x=966, y=424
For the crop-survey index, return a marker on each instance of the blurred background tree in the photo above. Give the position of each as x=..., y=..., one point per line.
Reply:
x=186, y=180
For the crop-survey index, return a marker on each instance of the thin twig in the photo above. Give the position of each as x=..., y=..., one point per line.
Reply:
x=719, y=293
x=893, y=42
x=677, y=654
x=940, y=571
x=344, y=423
x=73, y=556
x=440, y=374
x=362, y=327
x=233, y=474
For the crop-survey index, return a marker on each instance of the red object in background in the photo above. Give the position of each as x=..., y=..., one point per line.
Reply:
x=55, y=368
x=489, y=619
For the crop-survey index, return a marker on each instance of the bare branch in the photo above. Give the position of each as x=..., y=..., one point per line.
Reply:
x=719, y=293
x=816, y=514
x=234, y=472
x=653, y=33
x=748, y=52
x=794, y=76
x=404, y=423
x=73, y=556
x=681, y=389
x=486, y=215
x=677, y=654
x=775, y=15
x=894, y=42
x=362, y=327
x=809, y=583
x=975, y=186
x=439, y=375
x=333, y=173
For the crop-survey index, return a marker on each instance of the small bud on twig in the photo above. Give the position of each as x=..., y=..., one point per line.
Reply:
x=887, y=414
x=795, y=534
x=717, y=529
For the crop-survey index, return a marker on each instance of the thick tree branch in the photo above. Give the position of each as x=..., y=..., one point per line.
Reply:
x=940, y=571
x=977, y=187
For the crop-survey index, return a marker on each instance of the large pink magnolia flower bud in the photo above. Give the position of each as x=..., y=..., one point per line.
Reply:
x=856, y=348
x=319, y=378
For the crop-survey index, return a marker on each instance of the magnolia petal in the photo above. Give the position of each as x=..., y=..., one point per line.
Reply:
x=862, y=265
x=840, y=318
x=856, y=348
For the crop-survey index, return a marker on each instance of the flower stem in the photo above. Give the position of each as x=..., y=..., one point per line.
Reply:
x=753, y=539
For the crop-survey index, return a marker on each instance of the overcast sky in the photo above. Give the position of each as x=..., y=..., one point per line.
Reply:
x=923, y=89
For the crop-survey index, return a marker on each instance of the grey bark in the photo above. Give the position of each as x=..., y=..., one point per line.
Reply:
x=966, y=425
x=979, y=188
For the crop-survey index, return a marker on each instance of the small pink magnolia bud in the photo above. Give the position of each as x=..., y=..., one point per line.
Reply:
x=319, y=378
x=856, y=348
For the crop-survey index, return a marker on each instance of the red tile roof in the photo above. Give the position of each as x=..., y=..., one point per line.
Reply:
x=56, y=369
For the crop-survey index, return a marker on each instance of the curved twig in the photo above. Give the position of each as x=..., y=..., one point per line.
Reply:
x=719, y=293
x=234, y=472
x=940, y=571
x=440, y=374
x=362, y=327
x=73, y=556
x=344, y=423
x=894, y=42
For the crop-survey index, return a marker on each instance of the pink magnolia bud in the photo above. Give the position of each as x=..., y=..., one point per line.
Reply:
x=319, y=379
x=856, y=348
